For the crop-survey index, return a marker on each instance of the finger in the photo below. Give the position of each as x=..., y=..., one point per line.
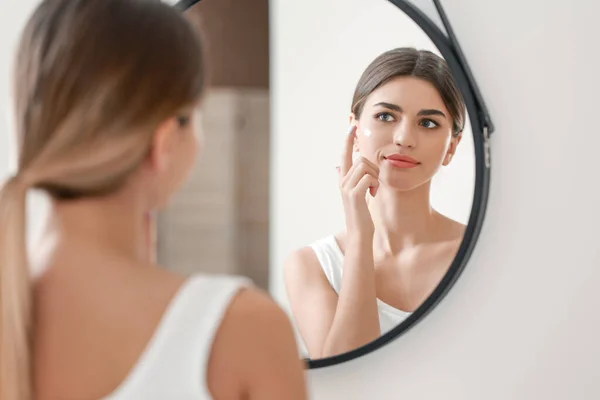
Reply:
x=346, y=162
x=373, y=189
x=365, y=161
x=357, y=172
x=367, y=182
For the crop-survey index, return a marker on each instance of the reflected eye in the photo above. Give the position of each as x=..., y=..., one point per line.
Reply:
x=385, y=117
x=429, y=124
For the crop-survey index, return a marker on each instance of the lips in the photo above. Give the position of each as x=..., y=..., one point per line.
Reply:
x=401, y=161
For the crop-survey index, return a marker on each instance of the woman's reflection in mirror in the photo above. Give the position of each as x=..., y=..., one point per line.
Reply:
x=406, y=122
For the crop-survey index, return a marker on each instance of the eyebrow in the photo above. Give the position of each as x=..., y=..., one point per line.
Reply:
x=425, y=112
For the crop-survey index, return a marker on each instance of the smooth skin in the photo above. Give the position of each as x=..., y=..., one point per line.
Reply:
x=99, y=296
x=396, y=247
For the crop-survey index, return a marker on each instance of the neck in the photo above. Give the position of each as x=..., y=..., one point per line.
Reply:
x=401, y=219
x=115, y=224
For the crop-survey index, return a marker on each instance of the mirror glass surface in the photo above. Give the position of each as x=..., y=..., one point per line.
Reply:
x=349, y=233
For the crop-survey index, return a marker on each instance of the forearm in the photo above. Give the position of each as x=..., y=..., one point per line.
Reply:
x=356, y=320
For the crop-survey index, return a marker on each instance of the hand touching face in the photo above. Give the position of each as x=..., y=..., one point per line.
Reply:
x=406, y=130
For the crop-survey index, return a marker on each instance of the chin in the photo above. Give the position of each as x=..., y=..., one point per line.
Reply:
x=403, y=183
x=402, y=186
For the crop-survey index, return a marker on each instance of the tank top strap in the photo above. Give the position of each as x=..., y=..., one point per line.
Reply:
x=175, y=362
x=331, y=258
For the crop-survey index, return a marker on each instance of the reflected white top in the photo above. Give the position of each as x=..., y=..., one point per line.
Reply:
x=331, y=258
x=174, y=364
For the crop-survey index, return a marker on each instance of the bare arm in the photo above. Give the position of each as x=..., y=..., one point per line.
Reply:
x=312, y=299
x=330, y=325
x=356, y=320
x=255, y=355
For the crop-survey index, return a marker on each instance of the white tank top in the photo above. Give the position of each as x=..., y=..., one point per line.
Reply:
x=331, y=258
x=174, y=364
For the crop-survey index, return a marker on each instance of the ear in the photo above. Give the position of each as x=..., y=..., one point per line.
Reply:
x=161, y=151
x=454, y=141
x=354, y=121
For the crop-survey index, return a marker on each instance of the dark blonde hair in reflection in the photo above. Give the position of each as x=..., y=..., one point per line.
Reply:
x=93, y=80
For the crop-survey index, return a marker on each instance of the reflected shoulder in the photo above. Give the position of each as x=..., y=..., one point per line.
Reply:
x=457, y=229
x=302, y=265
x=452, y=228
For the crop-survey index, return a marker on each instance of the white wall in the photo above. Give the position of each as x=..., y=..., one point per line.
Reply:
x=12, y=19
x=13, y=15
x=522, y=322
x=312, y=94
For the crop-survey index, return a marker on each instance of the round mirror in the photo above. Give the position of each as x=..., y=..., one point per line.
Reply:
x=357, y=167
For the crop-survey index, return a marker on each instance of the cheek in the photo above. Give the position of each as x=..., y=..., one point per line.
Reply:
x=367, y=146
x=435, y=148
x=184, y=160
x=373, y=138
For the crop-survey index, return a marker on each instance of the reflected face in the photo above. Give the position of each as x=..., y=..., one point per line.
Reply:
x=406, y=129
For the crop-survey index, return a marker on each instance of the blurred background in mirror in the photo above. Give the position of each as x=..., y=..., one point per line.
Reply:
x=219, y=221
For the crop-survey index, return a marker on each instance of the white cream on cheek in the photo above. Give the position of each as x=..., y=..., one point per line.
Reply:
x=366, y=133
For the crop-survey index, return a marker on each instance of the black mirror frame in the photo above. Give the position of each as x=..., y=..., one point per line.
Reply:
x=482, y=127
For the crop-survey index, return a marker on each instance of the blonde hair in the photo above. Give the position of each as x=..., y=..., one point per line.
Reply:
x=93, y=79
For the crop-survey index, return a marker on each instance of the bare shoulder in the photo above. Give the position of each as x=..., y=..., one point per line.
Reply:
x=302, y=266
x=255, y=350
x=452, y=229
x=305, y=260
x=457, y=229
x=450, y=239
x=251, y=305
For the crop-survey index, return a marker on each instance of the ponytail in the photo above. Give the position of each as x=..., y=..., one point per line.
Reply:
x=15, y=294
x=73, y=131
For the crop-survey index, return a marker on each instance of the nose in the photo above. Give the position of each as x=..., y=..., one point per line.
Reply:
x=405, y=136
